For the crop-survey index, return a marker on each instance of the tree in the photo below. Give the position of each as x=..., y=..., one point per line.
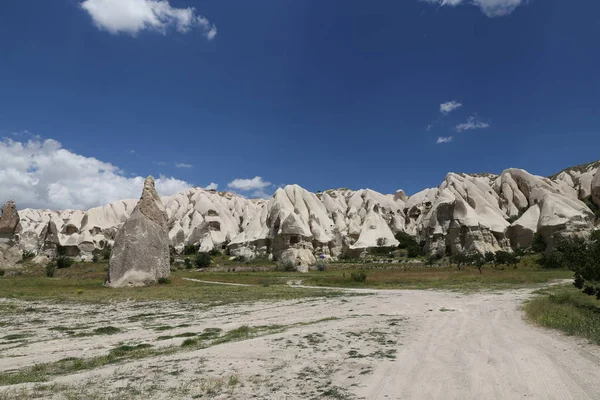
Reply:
x=381, y=242
x=490, y=258
x=506, y=258
x=460, y=259
x=539, y=244
x=477, y=260
x=583, y=258
x=406, y=241
x=202, y=260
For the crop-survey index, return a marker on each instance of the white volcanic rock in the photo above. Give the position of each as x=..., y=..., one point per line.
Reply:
x=9, y=219
x=465, y=213
x=522, y=230
x=580, y=178
x=140, y=255
x=595, y=188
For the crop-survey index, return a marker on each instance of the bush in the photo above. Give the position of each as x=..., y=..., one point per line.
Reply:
x=490, y=258
x=506, y=258
x=539, y=244
x=50, y=269
x=28, y=255
x=202, y=260
x=359, y=276
x=287, y=266
x=2, y=273
x=215, y=253
x=190, y=249
x=188, y=263
x=95, y=258
x=63, y=262
x=105, y=252
x=552, y=260
x=321, y=266
x=164, y=281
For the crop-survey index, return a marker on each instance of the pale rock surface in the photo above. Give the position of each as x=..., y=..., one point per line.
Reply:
x=9, y=220
x=595, y=188
x=467, y=212
x=140, y=255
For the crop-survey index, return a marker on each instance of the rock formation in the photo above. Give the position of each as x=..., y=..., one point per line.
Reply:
x=9, y=220
x=467, y=212
x=10, y=254
x=140, y=255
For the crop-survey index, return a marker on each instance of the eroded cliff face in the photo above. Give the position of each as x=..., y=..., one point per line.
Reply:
x=482, y=212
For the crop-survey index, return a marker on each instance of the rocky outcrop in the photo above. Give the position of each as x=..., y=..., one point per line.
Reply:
x=140, y=255
x=595, y=188
x=9, y=220
x=467, y=212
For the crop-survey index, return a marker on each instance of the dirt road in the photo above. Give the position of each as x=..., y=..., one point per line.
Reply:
x=382, y=345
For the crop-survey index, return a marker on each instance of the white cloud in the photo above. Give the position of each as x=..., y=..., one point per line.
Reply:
x=159, y=163
x=255, y=183
x=183, y=165
x=491, y=8
x=212, y=186
x=472, y=123
x=260, y=194
x=446, y=108
x=133, y=16
x=41, y=174
x=442, y=139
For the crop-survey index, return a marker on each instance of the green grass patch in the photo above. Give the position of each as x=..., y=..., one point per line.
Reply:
x=16, y=336
x=568, y=310
x=527, y=274
x=64, y=288
x=106, y=330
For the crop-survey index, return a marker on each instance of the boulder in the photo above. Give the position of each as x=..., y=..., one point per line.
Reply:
x=9, y=220
x=298, y=257
x=9, y=256
x=140, y=255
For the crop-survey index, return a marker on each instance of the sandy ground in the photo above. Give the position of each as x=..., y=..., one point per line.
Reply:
x=381, y=345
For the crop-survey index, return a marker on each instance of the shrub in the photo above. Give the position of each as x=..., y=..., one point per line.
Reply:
x=506, y=258
x=552, y=260
x=215, y=253
x=190, y=249
x=539, y=244
x=321, y=266
x=359, y=276
x=431, y=260
x=490, y=258
x=164, y=281
x=79, y=292
x=2, y=273
x=287, y=266
x=63, y=262
x=50, y=269
x=188, y=263
x=95, y=258
x=202, y=260
x=28, y=255
x=105, y=252
x=241, y=258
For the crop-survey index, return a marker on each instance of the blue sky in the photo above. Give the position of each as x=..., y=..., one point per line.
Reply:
x=324, y=94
